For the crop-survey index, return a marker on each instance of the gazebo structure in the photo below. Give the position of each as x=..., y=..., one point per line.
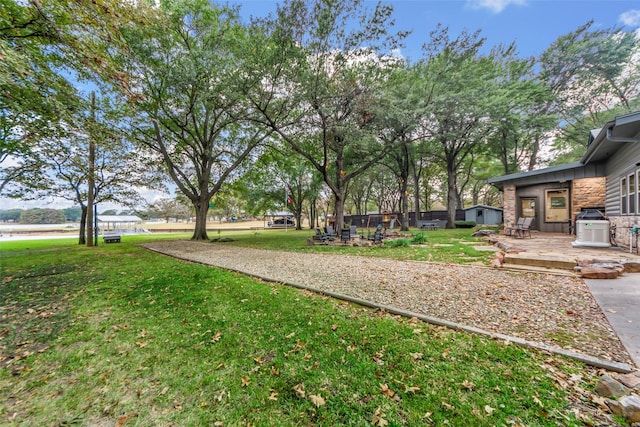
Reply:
x=119, y=224
x=279, y=220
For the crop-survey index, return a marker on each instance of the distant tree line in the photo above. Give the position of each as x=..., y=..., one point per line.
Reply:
x=45, y=215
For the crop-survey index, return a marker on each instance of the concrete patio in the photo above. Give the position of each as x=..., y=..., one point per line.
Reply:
x=554, y=252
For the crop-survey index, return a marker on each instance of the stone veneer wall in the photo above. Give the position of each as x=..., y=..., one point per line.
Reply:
x=509, y=202
x=623, y=229
x=587, y=193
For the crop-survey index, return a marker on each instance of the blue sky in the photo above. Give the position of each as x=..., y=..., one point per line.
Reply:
x=532, y=24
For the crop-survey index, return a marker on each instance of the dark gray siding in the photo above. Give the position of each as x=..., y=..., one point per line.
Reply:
x=619, y=165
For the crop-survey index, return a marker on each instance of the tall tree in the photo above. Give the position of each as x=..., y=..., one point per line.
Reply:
x=46, y=47
x=321, y=77
x=519, y=118
x=184, y=71
x=406, y=104
x=64, y=166
x=464, y=81
x=590, y=71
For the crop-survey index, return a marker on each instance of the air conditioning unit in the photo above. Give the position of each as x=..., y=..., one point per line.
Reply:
x=592, y=233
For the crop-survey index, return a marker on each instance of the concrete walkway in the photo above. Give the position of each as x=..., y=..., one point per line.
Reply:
x=618, y=298
x=620, y=301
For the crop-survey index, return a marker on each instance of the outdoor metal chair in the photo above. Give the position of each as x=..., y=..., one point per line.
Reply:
x=322, y=237
x=525, y=227
x=345, y=235
x=510, y=231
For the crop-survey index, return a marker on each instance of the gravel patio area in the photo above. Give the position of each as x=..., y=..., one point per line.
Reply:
x=555, y=310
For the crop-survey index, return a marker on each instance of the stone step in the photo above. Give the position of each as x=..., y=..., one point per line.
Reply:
x=537, y=260
x=541, y=270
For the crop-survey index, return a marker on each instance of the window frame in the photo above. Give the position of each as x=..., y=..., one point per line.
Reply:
x=632, y=205
x=559, y=213
x=623, y=195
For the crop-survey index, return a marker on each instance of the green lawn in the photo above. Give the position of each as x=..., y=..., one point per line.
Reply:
x=455, y=245
x=116, y=335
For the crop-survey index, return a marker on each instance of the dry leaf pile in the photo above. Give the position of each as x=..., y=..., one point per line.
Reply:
x=556, y=310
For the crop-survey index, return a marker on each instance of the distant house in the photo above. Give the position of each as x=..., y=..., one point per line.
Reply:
x=483, y=215
x=606, y=178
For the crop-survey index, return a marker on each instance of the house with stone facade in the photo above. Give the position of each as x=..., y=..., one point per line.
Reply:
x=606, y=178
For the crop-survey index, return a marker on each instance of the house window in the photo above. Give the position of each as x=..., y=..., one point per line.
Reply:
x=623, y=196
x=632, y=193
x=557, y=205
x=637, y=192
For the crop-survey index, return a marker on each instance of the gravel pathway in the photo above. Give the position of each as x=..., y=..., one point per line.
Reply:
x=555, y=310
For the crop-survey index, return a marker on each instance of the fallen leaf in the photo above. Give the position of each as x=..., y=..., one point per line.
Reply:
x=123, y=420
x=164, y=391
x=411, y=389
x=488, y=409
x=299, y=389
x=378, y=418
x=417, y=356
x=273, y=396
x=317, y=400
x=535, y=399
x=216, y=337
x=384, y=389
x=468, y=385
x=334, y=327
x=245, y=381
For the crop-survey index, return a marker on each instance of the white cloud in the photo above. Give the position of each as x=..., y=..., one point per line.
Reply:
x=630, y=18
x=495, y=6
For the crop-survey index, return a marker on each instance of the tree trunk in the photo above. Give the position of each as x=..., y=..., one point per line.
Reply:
x=200, y=230
x=91, y=184
x=312, y=213
x=451, y=196
x=404, y=205
x=298, y=216
x=339, y=210
x=82, y=239
x=416, y=197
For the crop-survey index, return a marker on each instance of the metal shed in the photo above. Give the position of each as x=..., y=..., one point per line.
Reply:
x=483, y=215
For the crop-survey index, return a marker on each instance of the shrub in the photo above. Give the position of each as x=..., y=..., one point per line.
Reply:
x=398, y=243
x=419, y=238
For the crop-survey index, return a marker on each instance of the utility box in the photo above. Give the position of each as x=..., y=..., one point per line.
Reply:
x=592, y=233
